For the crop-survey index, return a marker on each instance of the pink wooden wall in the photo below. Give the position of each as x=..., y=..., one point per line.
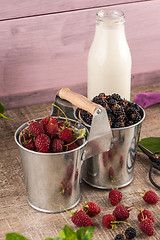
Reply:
x=44, y=46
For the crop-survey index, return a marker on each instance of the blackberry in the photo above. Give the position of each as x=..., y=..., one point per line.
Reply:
x=112, y=102
x=119, y=237
x=118, y=124
x=86, y=116
x=100, y=101
x=116, y=96
x=102, y=95
x=130, y=233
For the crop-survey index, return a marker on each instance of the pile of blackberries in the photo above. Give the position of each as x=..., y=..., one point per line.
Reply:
x=121, y=113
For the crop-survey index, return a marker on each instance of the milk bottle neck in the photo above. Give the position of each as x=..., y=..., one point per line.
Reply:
x=110, y=25
x=110, y=19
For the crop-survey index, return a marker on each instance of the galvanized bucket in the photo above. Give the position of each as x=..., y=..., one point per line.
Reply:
x=114, y=168
x=52, y=179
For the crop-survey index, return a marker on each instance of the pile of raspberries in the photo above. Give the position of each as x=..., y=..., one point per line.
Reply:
x=49, y=135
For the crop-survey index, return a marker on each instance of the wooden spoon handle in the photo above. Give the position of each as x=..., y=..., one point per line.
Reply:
x=77, y=100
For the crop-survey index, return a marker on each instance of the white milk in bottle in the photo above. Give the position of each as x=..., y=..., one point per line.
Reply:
x=109, y=59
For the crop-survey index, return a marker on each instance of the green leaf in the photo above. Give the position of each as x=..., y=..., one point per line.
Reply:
x=56, y=238
x=68, y=233
x=151, y=143
x=2, y=109
x=2, y=115
x=85, y=233
x=15, y=236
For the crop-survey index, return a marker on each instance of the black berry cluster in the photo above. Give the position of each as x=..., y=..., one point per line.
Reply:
x=129, y=233
x=121, y=113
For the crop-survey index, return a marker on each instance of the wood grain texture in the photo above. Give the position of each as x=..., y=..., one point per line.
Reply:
x=17, y=8
x=48, y=95
x=49, y=52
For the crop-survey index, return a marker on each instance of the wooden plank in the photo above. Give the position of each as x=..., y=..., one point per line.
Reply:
x=18, y=8
x=48, y=95
x=51, y=51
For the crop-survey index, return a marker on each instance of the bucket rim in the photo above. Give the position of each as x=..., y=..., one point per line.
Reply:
x=20, y=128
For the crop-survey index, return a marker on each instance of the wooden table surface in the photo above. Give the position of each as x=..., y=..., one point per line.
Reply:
x=17, y=216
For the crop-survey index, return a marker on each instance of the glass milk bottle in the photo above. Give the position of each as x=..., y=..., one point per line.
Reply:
x=109, y=59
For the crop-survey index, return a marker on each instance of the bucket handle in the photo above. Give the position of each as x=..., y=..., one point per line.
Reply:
x=78, y=100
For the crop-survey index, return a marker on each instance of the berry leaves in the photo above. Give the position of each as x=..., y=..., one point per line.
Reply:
x=67, y=233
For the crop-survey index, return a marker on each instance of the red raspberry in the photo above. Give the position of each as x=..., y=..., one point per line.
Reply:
x=66, y=135
x=151, y=197
x=107, y=220
x=92, y=208
x=46, y=120
x=115, y=196
x=56, y=145
x=42, y=143
x=145, y=213
x=72, y=146
x=147, y=226
x=36, y=128
x=121, y=212
x=52, y=128
x=81, y=219
x=29, y=144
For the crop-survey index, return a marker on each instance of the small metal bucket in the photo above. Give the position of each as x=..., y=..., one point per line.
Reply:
x=52, y=179
x=114, y=168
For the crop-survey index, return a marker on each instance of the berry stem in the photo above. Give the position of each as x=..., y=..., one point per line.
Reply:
x=66, y=210
x=61, y=111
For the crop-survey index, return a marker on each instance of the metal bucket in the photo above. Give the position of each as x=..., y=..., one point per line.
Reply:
x=52, y=179
x=114, y=168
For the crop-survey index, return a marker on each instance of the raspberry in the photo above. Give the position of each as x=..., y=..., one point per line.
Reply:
x=108, y=219
x=119, y=237
x=52, y=128
x=72, y=146
x=92, y=208
x=151, y=197
x=66, y=135
x=29, y=144
x=130, y=233
x=121, y=212
x=115, y=196
x=36, y=128
x=56, y=145
x=42, y=143
x=45, y=120
x=146, y=225
x=81, y=219
x=145, y=213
